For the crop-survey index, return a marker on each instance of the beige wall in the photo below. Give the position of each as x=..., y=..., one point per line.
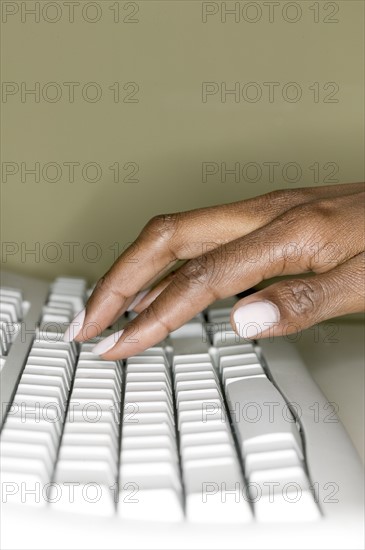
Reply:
x=168, y=131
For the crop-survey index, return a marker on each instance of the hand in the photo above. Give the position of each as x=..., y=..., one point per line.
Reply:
x=228, y=249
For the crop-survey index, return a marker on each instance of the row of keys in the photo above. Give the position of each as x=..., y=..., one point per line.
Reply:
x=88, y=457
x=211, y=471
x=268, y=437
x=67, y=297
x=33, y=428
x=150, y=481
x=11, y=313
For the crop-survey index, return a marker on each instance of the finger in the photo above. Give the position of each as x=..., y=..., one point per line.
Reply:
x=231, y=269
x=148, y=297
x=293, y=305
x=182, y=236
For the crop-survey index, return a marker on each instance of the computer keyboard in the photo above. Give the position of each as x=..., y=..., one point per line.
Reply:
x=204, y=431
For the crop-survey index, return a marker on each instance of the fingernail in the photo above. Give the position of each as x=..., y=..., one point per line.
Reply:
x=255, y=318
x=108, y=343
x=139, y=297
x=74, y=327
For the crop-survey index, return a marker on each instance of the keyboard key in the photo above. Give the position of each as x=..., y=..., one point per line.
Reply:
x=215, y=491
x=270, y=426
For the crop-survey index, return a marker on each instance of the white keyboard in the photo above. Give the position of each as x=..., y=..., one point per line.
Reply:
x=204, y=434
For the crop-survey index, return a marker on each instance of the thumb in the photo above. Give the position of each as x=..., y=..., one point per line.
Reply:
x=292, y=305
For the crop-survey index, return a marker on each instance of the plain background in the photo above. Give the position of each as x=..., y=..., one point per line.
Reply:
x=296, y=119
x=167, y=50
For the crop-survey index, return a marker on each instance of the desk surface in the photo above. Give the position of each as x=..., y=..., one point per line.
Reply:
x=334, y=353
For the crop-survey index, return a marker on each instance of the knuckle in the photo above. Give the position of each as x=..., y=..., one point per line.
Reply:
x=163, y=226
x=300, y=298
x=151, y=315
x=306, y=221
x=102, y=284
x=204, y=272
x=105, y=287
x=322, y=209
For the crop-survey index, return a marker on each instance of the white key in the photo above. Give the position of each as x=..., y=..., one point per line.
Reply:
x=150, y=418
x=214, y=491
x=145, y=369
x=148, y=442
x=237, y=360
x=240, y=349
x=205, y=405
x=192, y=395
x=196, y=452
x=269, y=460
x=95, y=394
x=90, y=439
x=106, y=374
x=142, y=396
x=203, y=414
x=10, y=308
x=271, y=429
x=27, y=471
x=46, y=391
x=27, y=451
x=90, y=452
x=47, y=348
x=40, y=380
x=150, y=475
x=141, y=430
x=193, y=367
x=284, y=495
x=50, y=362
x=94, y=409
x=99, y=368
x=225, y=336
x=76, y=301
x=162, y=385
x=209, y=438
x=95, y=388
x=48, y=407
x=92, y=489
x=19, y=423
x=39, y=437
x=230, y=374
x=147, y=360
x=56, y=317
x=61, y=372
x=203, y=426
x=160, y=454
x=152, y=493
x=216, y=312
x=146, y=377
x=81, y=427
x=183, y=385
x=192, y=359
x=198, y=375
x=53, y=354
x=133, y=408
x=15, y=296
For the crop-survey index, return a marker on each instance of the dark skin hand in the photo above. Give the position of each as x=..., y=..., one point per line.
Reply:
x=228, y=249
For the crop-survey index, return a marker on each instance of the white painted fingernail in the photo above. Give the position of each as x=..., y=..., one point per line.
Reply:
x=139, y=297
x=255, y=318
x=108, y=343
x=74, y=327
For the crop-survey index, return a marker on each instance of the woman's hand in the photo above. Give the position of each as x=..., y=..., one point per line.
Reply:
x=231, y=248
